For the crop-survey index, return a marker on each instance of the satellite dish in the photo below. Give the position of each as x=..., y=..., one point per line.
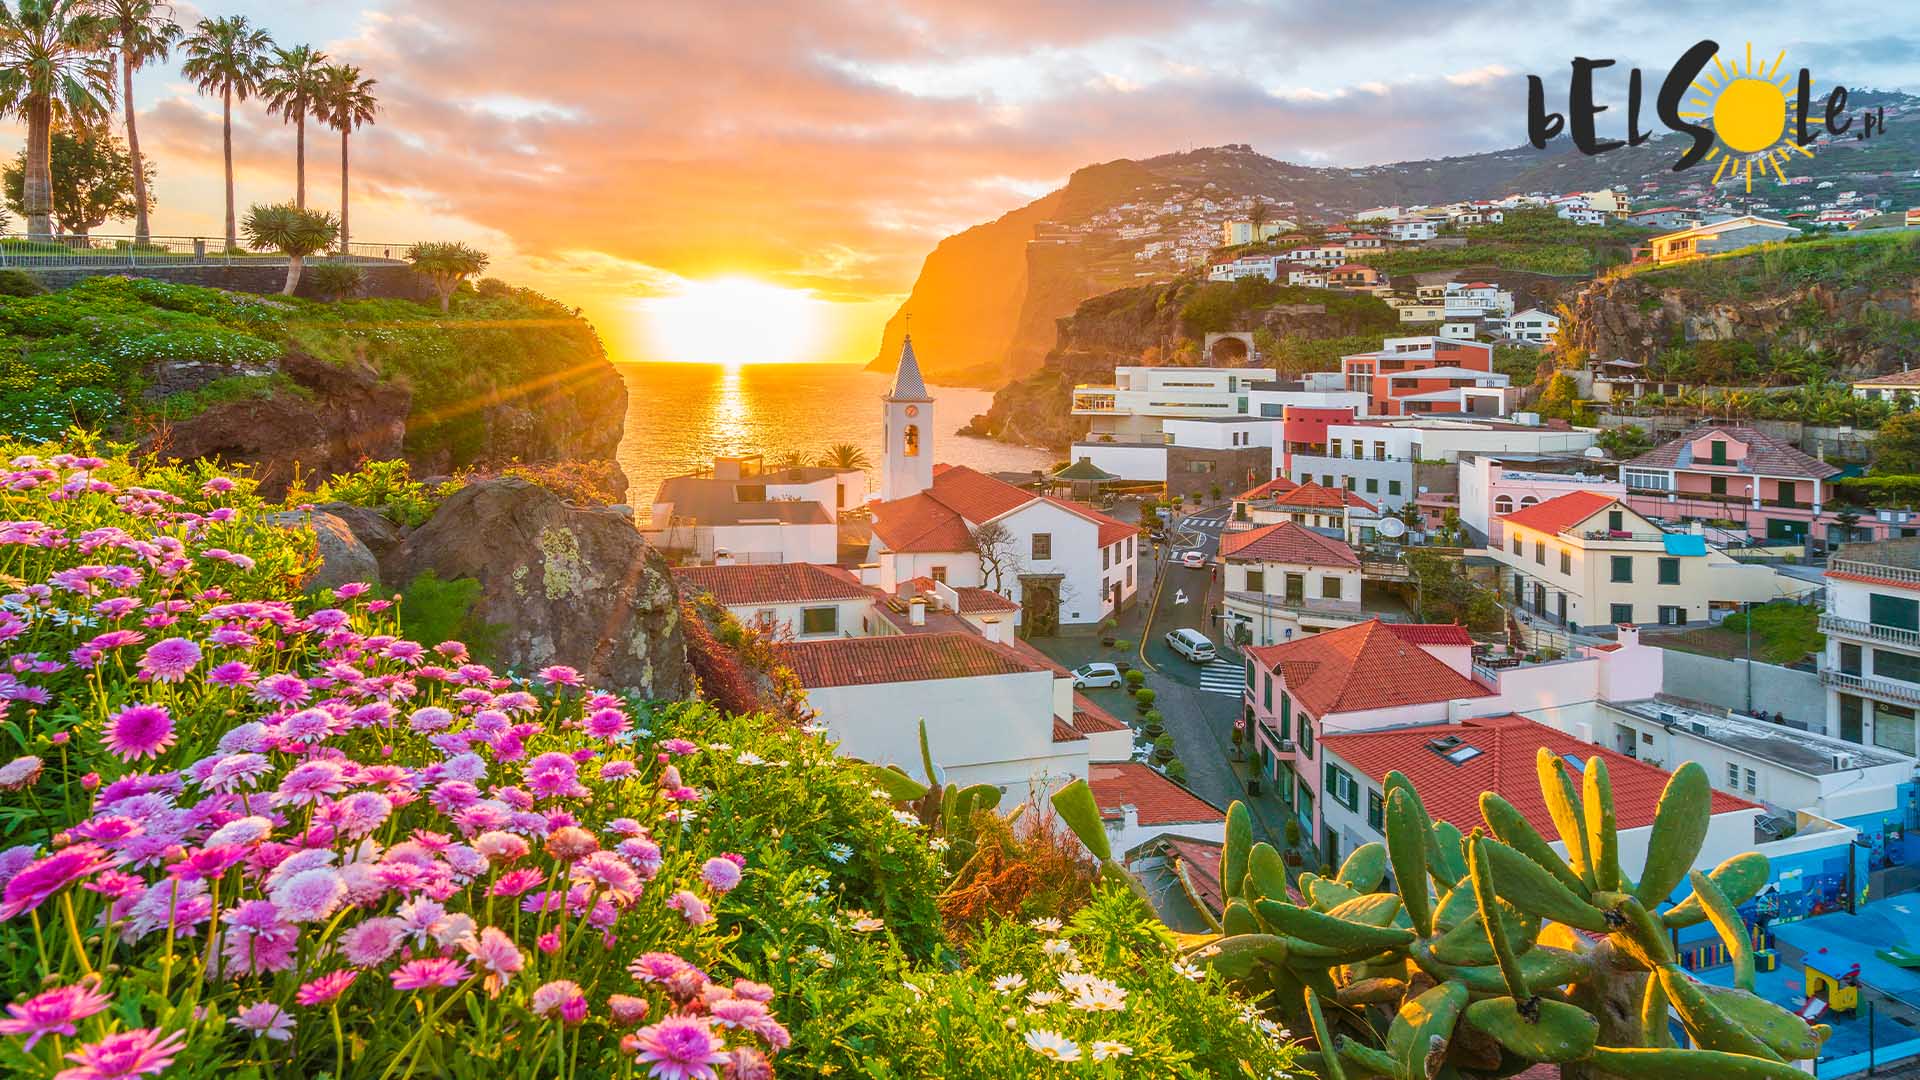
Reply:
x=1392, y=527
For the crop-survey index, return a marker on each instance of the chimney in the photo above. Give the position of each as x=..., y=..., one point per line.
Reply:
x=1129, y=817
x=917, y=611
x=1629, y=636
x=722, y=557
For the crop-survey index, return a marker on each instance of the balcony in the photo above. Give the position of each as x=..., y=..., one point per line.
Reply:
x=1892, y=635
x=1867, y=684
x=1623, y=535
x=1899, y=575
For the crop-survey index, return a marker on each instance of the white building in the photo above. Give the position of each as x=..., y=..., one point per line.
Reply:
x=1872, y=663
x=1533, y=326
x=1285, y=579
x=1142, y=398
x=1475, y=298
x=1412, y=229
x=1247, y=266
x=1235, y=233
x=742, y=511
x=1376, y=458
x=1225, y=445
x=1061, y=561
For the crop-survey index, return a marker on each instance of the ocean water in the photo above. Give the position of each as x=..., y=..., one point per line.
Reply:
x=680, y=416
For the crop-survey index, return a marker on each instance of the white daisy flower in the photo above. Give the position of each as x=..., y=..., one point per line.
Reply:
x=1052, y=1045
x=1007, y=984
x=1107, y=1048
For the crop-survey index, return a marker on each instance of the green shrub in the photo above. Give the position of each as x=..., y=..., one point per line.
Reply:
x=388, y=487
x=20, y=283
x=1136, y=678
x=432, y=611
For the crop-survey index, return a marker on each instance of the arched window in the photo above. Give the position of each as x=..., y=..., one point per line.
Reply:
x=1526, y=501
x=911, y=440
x=1503, y=504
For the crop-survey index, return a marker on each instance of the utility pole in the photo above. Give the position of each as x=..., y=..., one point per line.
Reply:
x=1749, y=611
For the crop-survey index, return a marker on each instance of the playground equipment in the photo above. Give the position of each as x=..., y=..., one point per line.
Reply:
x=1900, y=956
x=1828, y=991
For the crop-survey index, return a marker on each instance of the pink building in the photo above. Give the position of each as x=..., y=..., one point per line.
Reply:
x=1737, y=473
x=1491, y=488
x=1376, y=675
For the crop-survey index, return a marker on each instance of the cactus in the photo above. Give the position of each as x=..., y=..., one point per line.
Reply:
x=1471, y=968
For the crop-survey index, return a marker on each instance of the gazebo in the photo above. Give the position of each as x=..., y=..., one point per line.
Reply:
x=1084, y=478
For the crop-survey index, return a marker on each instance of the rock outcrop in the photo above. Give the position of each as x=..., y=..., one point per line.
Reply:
x=343, y=557
x=343, y=415
x=564, y=585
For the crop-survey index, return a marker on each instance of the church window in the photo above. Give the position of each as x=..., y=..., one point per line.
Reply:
x=911, y=442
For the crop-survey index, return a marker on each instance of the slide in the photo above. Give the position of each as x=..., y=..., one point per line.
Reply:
x=1900, y=956
x=1813, y=1009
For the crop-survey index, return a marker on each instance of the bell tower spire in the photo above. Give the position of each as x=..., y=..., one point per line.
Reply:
x=907, y=466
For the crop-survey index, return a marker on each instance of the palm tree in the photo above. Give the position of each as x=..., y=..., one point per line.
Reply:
x=446, y=265
x=345, y=102
x=141, y=30
x=51, y=71
x=845, y=456
x=292, y=89
x=293, y=231
x=227, y=56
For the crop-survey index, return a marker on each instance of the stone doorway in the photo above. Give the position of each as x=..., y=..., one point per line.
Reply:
x=1040, y=604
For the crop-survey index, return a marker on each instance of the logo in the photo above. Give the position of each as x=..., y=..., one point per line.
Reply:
x=1745, y=116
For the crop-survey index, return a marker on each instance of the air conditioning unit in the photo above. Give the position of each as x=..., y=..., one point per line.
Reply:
x=1286, y=746
x=1843, y=761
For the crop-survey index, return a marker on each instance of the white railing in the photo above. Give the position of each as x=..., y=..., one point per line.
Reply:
x=1883, y=687
x=96, y=252
x=1834, y=624
x=1904, y=575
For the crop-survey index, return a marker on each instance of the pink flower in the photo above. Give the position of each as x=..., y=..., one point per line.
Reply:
x=607, y=724
x=231, y=673
x=138, y=731
x=738, y=1012
x=20, y=772
x=372, y=941
x=554, y=775
x=690, y=907
x=170, y=660
x=310, y=895
x=496, y=954
x=52, y=1013
x=558, y=675
x=515, y=882
x=428, y=973
x=138, y=1052
x=548, y=942
x=747, y=1063
x=265, y=1020
x=679, y=1048
x=325, y=989
x=562, y=996
x=39, y=880
x=571, y=842
x=627, y=1009
x=721, y=874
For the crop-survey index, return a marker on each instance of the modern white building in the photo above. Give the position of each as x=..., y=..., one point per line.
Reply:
x=1247, y=266
x=1871, y=667
x=1470, y=299
x=1236, y=233
x=1227, y=448
x=1493, y=485
x=1142, y=398
x=1377, y=458
x=742, y=511
x=1411, y=229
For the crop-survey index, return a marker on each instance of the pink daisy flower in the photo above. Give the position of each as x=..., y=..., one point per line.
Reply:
x=265, y=1020
x=428, y=973
x=561, y=996
x=138, y=731
x=325, y=989
x=40, y=879
x=691, y=908
x=138, y=1052
x=170, y=659
x=679, y=1048
x=721, y=874
x=54, y=1012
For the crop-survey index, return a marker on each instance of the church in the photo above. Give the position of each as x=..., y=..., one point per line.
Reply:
x=1062, y=562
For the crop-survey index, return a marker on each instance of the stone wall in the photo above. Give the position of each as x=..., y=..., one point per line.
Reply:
x=1234, y=470
x=1791, y=692
x=386, y=282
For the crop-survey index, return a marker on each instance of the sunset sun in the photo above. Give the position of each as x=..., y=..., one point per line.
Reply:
x=731, y=320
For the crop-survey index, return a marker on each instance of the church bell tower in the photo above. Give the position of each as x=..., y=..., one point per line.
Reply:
x=907, y=468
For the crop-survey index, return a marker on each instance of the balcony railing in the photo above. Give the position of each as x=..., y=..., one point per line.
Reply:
x=97, y=252
x=1904, y=575
x=1892, y=635
x=1885, y=688
x=1621, y=534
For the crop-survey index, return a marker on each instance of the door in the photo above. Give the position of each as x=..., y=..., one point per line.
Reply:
x=1560, y=609
x=1329, y=846
x=1540, y=599
x=1305, y=803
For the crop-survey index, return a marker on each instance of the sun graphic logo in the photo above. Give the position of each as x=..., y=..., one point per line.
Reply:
x=1748, y=108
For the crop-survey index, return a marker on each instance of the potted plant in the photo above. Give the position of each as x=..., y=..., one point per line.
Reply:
x=1177, y=771
x=1106, y=632
x=1163, y=749
x=1154, y=725
x=1135, y=679
x=1143, y=699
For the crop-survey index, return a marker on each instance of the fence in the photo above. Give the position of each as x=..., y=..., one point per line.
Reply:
x=1793, y=692
x=19, y=252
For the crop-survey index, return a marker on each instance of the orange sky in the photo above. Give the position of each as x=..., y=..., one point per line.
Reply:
x=608, y=152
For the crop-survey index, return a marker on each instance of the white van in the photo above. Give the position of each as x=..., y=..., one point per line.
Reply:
x=1191, y=644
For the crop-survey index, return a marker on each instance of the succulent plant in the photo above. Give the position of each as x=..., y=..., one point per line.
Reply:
x=1496, y=953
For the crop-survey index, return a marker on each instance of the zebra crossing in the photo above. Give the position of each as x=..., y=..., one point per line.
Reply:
x=1223, y=676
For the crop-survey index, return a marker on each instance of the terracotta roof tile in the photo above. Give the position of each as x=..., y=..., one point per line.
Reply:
x=1091, y=719
x=1287, y=542
x=1431, y=633
x=1508, y=747
x=901, y=658
x=1065, y=732
x=1364, y=666
x=1316, y=496
x=1112, y=529
x=976, y=496
x=1202, y=860
x=768, y=583
x=1158, y=800
x=1560, y=513
x=1275, y=486
x=1766, y=455
x=919, y=523
x=974, y=601
x=1897, y=378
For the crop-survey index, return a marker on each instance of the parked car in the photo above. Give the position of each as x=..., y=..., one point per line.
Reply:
x=1096, y=676
x=1158, y=536
x=1191, y=644
x=1195, y=558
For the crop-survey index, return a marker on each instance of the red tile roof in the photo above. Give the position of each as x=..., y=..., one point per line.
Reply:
x=937, y=518
x=919, y=523
x=1364, y=666
x=1898, y=378
x=976, y=496
x=1506, y=764
x=1560, y=513
x=1112, y=529
x=1202, y=860
x=1272, y=487
x=1091, y=719
x=1065, y=732
x=1287, y=542
x=1766, y=455
x=1158, y=800
x=975, y=601
x=901, y=658
x=1431, y=633
x=768, y=583
x=1315, y=496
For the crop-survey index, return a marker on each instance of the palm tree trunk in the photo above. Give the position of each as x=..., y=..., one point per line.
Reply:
x=343, y=191
x=140, y=230
x=299, y=165
x=294, y=265
x=36, y=196
x=226, y=144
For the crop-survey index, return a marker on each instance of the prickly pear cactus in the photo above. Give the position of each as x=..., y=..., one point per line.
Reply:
x=1496, y=953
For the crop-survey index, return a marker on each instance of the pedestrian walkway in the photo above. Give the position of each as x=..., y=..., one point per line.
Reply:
x=1223, y=677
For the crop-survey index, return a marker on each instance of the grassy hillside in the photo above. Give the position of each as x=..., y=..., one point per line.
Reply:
x=1873, y=260
x=1533, y=240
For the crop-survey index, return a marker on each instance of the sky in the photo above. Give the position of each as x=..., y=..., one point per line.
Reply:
x=618, y=155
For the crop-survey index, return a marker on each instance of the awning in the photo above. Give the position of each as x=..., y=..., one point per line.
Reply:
x=1685, y=544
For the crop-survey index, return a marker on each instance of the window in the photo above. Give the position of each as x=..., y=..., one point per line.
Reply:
x=1516, y=543
x=1503, y=504
x=1893, y=727
x=819, y=620
x=939, y=574
x=1896, y=665
x=1733, y=771
x=1306, y=735
x=1256, y=581
x=1376, y=811
x=1850, y=657
x=1249, y=672
x=1330, y=587
x=1897, y=612
x=1540, y=552
x=1718, y=452
x=1393, y=487
x=1341, y=788
x=1106, y=558
x=1622, y=567
x=1373, y=486
x=1379, y=454
x=1326, y=479
x=910, y=441
x=1334, y=447
x=1043, y=545
x=1783, y=490
x=1129, y=575
x=1566, y=562
x=749, y=493
x=1752, y=781
x=1620, y=613
x=1669, y=571
x=1350, y=486
x=1130, y=551
x=1267, y=693
x=1286, y=717
x=1616, y=521
x=1717, y=485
